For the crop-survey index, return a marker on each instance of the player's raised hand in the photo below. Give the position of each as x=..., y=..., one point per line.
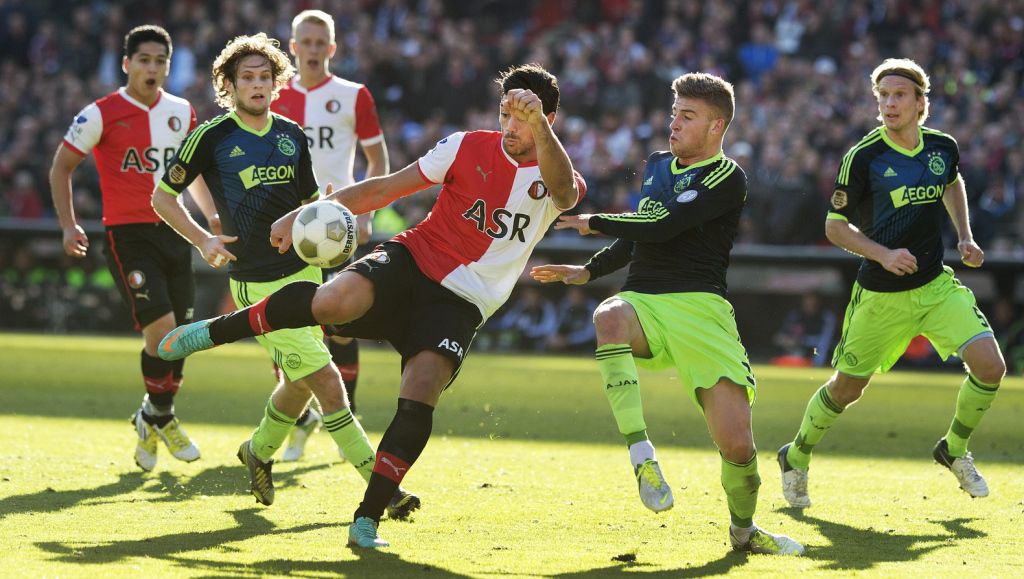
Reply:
x=970, y=253
x=899, y=261
x=214, y=250
x=581, y=223
x=524, y=105
x=567, y=274
x=76, y=242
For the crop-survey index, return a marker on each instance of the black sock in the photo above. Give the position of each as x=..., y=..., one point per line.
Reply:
x=288, y=307
x=401, y=445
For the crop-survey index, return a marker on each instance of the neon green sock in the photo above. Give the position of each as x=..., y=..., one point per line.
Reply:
x=622, y=386
x=351, y=439
x=821, y=413
x=741, y=482
x=972, y=402
x=270, y=434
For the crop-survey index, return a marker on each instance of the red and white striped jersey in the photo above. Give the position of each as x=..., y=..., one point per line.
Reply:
x=490, y=214
x=335, y=115
x=133, y=143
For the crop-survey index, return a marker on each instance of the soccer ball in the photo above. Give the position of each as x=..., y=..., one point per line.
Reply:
x=324, y=234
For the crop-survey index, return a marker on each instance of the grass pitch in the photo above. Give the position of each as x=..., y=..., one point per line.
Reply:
x=524, y=476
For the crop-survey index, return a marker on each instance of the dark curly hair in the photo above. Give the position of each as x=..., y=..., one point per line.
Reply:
x=225, y=67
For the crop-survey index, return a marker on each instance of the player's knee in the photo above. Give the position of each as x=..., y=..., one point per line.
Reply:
x=738, y=451
x=611, y=322
x=991, y=371
x=845, y=390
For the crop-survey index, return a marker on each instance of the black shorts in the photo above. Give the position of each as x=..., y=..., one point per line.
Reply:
x=152, y=266
x=410, y=310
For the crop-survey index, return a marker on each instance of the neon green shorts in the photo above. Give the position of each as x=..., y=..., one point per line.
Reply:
x=298, y=352
x=880, y=325
x=695, y=333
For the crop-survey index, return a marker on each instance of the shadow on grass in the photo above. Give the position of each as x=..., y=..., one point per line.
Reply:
x=732, y=560
x=851, y=548
x=249, y=524
x=162, y=487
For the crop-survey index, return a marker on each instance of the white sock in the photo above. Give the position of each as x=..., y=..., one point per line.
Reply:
x=640, y=452
x=741, y=534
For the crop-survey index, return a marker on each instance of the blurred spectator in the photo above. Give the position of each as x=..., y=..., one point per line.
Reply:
x=806, y=335
x=528, y=322
x=574, y=330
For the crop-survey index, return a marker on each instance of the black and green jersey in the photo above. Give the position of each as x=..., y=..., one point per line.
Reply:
x=894, y=196
x=255, y=177
x=680, y=237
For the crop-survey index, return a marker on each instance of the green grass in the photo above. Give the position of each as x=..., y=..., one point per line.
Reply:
x=524, y=476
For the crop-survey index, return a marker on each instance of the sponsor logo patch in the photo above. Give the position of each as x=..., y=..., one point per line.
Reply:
x=176, y=174
x=839, y=200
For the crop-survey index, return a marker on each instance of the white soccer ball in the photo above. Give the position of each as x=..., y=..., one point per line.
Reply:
x=324, y=234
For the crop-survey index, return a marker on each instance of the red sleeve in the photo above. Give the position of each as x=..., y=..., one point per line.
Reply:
x=581, y=186
x=192, y=122
x=367, y=123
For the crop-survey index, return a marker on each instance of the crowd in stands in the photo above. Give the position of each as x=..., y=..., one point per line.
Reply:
x=800, y=68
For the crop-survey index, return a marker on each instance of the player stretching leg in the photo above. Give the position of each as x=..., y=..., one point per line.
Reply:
x=890, y=185
x=672, y=311
x=151, y=263
x=430, y=288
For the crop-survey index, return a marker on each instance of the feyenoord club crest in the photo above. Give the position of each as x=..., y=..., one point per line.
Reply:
x=136, y=279
x=333, y=106
x=538, y=190
x=174, y=123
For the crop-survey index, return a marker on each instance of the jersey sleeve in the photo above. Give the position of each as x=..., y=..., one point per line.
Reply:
x=192, y=122
x=954, y=161
x=367, y=123
x=434, y=166
x=721, y=190
x=85, y=131
x=610, y=259
x=851, y=185
x=193, y=157
x=305, y=177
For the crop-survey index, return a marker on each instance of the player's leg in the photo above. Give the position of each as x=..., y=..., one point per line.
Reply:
x=297, y=305
x=726, y=408
x=345, y=355
x=955, y=324
x=424, y=377
x=162, y=379
x=620, y=337
x=876, y=330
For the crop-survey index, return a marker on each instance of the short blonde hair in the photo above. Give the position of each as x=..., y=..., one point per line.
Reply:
x=909, y=70
x=225, y=67
x=317, y=16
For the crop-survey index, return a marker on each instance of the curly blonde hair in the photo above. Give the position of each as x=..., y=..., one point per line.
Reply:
x=225, y=67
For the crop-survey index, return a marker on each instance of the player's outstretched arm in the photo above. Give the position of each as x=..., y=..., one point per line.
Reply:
x=567, y=274
x=898, y=261
x=204, y=200
x=76, y=242
x=380, y=191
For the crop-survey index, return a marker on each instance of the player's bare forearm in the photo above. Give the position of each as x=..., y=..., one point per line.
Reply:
x=897, y=261
x=379, y=192
x=955, y=200
x=554, y=164
x=377, y=162
x=170, y=209
x=64, y=163
x=204, y=199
